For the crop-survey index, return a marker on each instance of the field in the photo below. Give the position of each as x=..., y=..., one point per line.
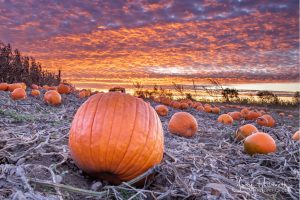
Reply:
x=35, y=161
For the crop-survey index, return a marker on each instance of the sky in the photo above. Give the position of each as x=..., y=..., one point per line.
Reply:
x=113, y=42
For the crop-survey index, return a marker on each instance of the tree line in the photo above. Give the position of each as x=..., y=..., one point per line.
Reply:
x=17, y=68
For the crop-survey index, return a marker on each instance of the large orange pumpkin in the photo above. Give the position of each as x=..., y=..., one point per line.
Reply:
x=13, y=86
x=244, y=131
x=63, y=89
x=116, y=136
x=35, y=93
x=259, y=142
x=183, y=124
x=3, y=86
x=266, y=120
x=162, y=110
x=296, y=135
x=225, y=119
x=18, y=94
x=52, y=97
x=235, y=115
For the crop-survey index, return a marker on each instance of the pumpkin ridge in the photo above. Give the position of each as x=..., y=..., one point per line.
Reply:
x=110, y=132
x=134, y=122
x=114, y=150
x=91, y=131
x=153, y=152
x=136, y=158
x=78, y=127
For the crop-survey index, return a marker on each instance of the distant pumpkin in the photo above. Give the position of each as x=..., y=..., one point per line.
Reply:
x=52, y=88
x=52, y=97
x=225, y=119
x=176, y=105
x=196, y=104
x=13, y=86
x=207, y=108
x=162, y=110
x=18, y=94
x=200, y=108
x=183, y=124
x=3, y=86
x=45, y=87
x=35, y=93
x=216, y=110
x=184, y=106
x=252, y=115
x=296, y=135
x=24, y=86
x=244, y=131
x=282, y=114
x=235, y=115
x=34, y=87
x=266, y=120
x=290, y=116
x=259, y=143
x=82, y=94
x=244, y=112
x=63, y=89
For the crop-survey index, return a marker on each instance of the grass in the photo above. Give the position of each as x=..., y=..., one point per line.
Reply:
x=17, y=116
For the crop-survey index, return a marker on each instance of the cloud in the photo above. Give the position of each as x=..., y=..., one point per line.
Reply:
x=158, y=40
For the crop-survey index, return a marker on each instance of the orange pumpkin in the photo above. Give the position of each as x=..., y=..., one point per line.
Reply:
x=183, y=124
x=18, y=94
x=216, y=110
x=12, y=87
x=252, y=115
x=116, y=136
x=235, y=115
x=63, y=89
x=176, y=105
x=266, y=120
x=259, y=143
x=200, y=108
x=3, y=86
x=165, y=100
x=184, y=106
x=290, y=116
x=82, y=94
x=296, y=135
x=24, y=86
x=225, y=119
x=34, y=87
x=52, y=97
x=52, y=88
x=162, y=110
x=207, y=108
x=244, y=131
x=244, y=112
x=45, y=87
x=282, y=114
x=35, y=93
x=196, y=104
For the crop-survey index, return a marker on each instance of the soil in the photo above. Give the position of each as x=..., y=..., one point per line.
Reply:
x=35, y=161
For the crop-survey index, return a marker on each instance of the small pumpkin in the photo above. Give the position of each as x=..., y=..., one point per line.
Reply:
x=207, y=108
x=184, y=106
x=235, y=115
x=200, y=108
x=244, y=131
x=196, y=104
x=216, y=110
x=13, y=86
x=18, y=94
x=35, y=93
x=116, y=136
x=52, y=88
x=45, y=87
x=3, y=86
x=296, y=135
x=225, y=119
x=281, y=114
x=82, y=94
x=259, y=143
x=24, y=86
x=162, y=110
x=52, y=97
x=63, y=89
x=266, y=120
x=183, y=124
x=252, y=115
x=176, y=105
x=34, y=87
x=290, y=116
x=165, y=101
x=244, y=112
